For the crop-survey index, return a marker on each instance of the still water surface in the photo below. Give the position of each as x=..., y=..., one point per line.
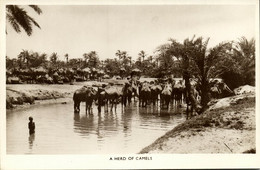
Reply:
x=60, y=131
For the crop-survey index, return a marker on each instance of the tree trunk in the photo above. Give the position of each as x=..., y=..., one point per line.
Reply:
x=204, y=93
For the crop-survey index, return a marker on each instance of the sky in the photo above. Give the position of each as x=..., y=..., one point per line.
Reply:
x=79, y=29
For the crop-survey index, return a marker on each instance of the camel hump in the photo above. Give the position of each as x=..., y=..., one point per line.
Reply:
x=111, y=90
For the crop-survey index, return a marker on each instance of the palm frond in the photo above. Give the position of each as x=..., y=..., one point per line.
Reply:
x=17, y=17
x=34, y=22
x=21, y=17
x=13, y=23
x=36, y=9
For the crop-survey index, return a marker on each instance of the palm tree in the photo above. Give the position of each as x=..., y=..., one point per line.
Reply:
x=23, y=58
x=244, y=54
x=18, y=18
x=123, y=56
x=119, y=54
x=142, y=54
x=43, y=59
x=130, y=60
x=238, y=68
x=150, y=58
x=245, y=49
x=66, y=57
x=93, y=59
x=36, y=59
x=86, y=59
x=54, y=59
x=198, y=61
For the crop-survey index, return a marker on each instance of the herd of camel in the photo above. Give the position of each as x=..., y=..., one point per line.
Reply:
x=146, y=93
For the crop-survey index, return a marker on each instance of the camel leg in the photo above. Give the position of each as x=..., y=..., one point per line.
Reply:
x=75, y=106
x=125, y=100
x=106, y=105
x=78, y=106
x=129, y=99
x=112, y=104
x=87, y=110
x=99, y=108
x=115, y=106
x=122, y=101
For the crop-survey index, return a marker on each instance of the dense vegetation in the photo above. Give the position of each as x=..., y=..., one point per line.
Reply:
x=232, y=61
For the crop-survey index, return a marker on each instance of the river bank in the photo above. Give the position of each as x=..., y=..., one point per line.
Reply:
x=227, y=127
x=24, y=95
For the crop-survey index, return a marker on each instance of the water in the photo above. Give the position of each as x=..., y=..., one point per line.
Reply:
x=60, y=131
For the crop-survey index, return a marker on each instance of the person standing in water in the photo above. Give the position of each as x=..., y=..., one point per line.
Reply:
x=31, y=126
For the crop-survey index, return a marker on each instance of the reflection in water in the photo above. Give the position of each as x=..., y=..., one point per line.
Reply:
x=83, y=124
x=99, y=134
x=31, y=139
x=103, y=124
x=127, y=130
x=76, y=118
x=107, y=123
x=126, y=117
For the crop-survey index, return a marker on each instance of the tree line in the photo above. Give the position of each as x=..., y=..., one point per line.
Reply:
x=121, y=64
x=234, y=61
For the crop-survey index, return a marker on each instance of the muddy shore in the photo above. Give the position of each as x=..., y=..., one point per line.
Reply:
x=24, y=95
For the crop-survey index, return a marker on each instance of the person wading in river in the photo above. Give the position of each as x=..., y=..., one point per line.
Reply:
x=31, y=126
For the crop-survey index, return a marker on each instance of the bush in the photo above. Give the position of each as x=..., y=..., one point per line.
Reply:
x=232, y=79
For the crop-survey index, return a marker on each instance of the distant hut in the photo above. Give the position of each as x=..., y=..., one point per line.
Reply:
x=87, y=72
x=93, y=73
x=106, y=76
x=39, y=71
x=14, y=80
x=135, y=74
x=57, y=79
x=100, y=74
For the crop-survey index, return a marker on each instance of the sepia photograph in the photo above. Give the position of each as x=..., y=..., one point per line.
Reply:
x=129, y=82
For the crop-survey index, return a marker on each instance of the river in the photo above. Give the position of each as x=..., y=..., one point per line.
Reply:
x=60, y=131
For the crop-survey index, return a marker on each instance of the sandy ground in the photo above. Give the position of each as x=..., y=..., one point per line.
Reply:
x=208, y=140
x=230, y=128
